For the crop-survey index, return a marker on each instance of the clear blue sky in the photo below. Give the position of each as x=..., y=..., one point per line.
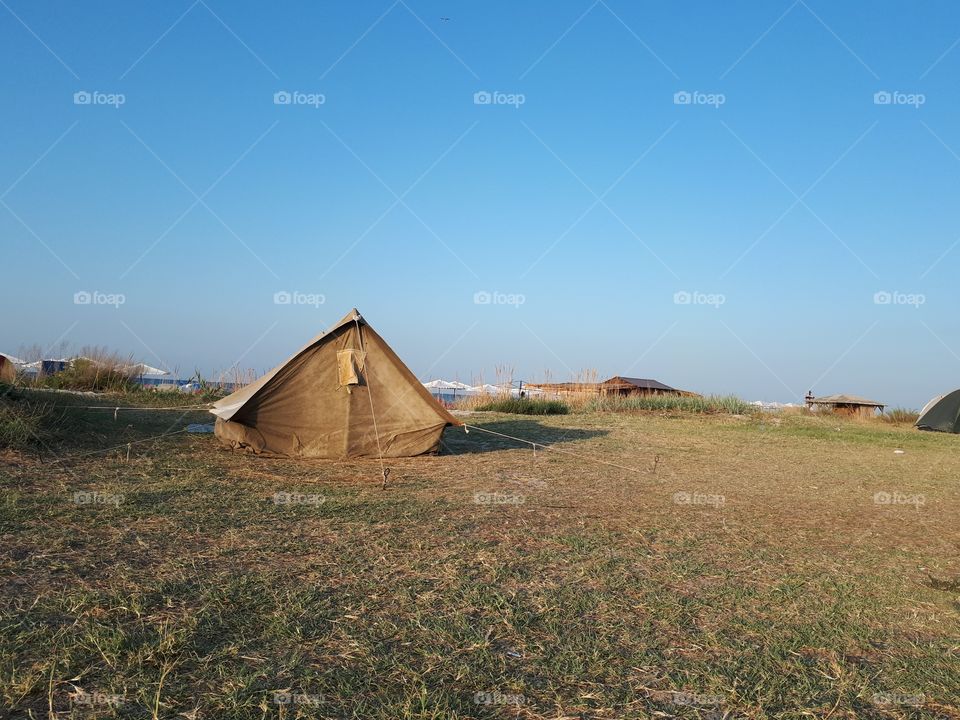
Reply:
x=599, y=198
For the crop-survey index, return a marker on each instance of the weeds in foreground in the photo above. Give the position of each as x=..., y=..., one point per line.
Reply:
x=23, y=423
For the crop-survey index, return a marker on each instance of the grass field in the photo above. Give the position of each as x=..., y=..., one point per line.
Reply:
x=727, y=567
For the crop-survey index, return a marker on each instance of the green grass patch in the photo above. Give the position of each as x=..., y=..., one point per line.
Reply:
x=711, y=404
x=526, y=406
x=25, y=422
x=18, y=425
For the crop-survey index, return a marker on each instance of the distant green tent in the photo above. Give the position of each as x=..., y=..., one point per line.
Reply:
x=941, y=414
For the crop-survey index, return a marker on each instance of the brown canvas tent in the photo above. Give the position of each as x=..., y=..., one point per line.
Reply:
x=8, y=370
x=344, y=394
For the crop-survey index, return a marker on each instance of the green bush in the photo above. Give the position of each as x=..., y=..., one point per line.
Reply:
x=526, y=406
x=712, y=404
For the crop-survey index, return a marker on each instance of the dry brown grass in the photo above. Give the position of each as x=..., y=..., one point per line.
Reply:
x=741, y=563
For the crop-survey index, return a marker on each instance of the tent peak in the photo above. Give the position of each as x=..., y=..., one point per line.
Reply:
x=352, y=316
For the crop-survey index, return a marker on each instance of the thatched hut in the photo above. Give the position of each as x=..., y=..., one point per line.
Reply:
x=845, y=405
x=617, y=385
x=627, y=386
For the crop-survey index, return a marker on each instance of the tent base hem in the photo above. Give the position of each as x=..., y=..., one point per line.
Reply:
x=237, y=436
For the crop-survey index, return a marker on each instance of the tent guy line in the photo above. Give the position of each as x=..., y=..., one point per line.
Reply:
x=384, y=471
x=373, y=415
x=60, y=460
x=207, y=406
x=535, y=445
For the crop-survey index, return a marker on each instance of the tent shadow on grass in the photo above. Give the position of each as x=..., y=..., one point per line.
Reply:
x=456, y=441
